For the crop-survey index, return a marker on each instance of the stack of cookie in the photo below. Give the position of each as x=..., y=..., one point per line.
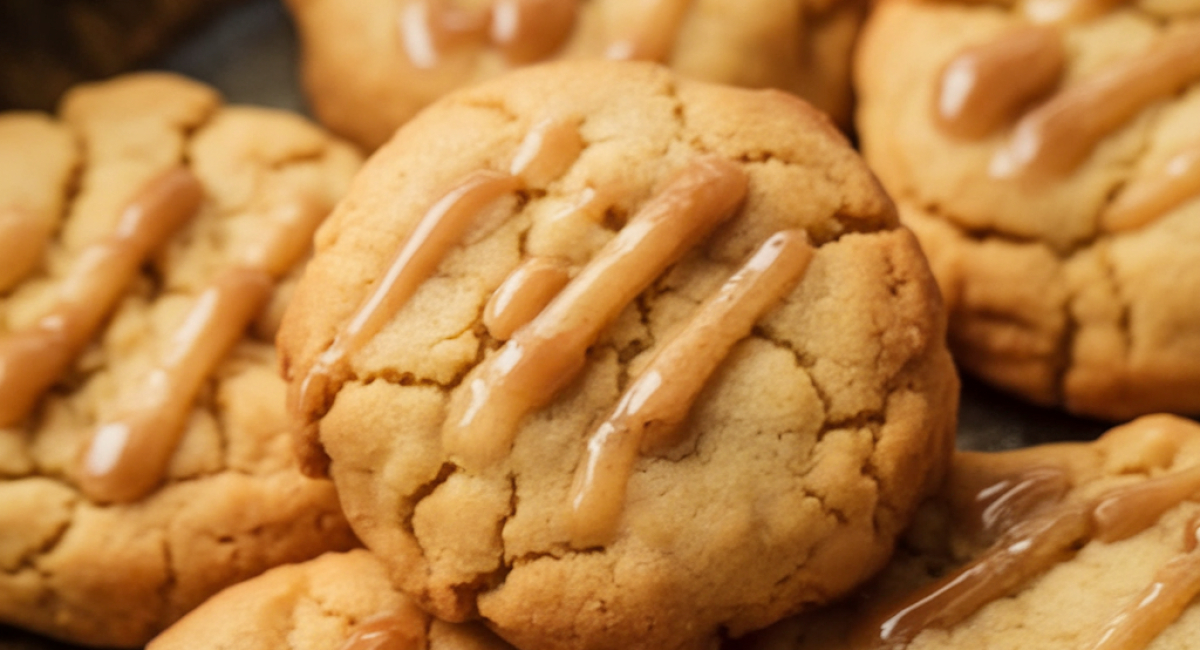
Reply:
x=596, y=353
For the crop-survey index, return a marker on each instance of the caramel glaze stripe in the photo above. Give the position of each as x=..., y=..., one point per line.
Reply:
x=1057, y=136
x=999, y=506
x=403, y=630
x=1046, y=12
x=648, y=416
x=1147, y=199
x=523, y=294
x=987, y=86
x=549, y=352
x=1126, y=511
x=1028, y=549
x=126, y=457
x=23, y=238
x=32, y=359
x=546, y=152
x=523, y=30
x=531, y=30
x=1174, y=587
x=652, y=35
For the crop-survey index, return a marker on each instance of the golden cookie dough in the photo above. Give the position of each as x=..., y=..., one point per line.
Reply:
x=1121, y=573
x=339, y=601
x=128, y=211
x=816, y=428
x=1050, y=166
x=369, y=66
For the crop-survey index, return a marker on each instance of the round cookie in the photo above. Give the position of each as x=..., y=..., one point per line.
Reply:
x=576, y=369
x=1059, y=211
x=339, y=601
x=369, y=66
x=1068, y=546
x=145, y=461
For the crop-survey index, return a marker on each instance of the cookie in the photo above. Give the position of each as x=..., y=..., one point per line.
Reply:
x=610, y=358
x=369, y=66
x=1079, y=546
x=1047, y=157
x=145, y=460
x=339, y=600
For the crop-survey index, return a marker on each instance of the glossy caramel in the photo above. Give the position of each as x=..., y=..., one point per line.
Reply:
x=1149, y=198
x=546, y=354
x=524, y=31
x=403, y=630
x=988, y=86
x=126, y=457
x=650, y=413
x=33, y=358
x=523, y=294
x=1057, y=136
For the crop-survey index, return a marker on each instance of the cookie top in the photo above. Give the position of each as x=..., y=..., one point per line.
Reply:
x=1080, y=546
x=369, y=66
x=1046, y=154
x=607, y=357
x=337, y=601
x=145, y=463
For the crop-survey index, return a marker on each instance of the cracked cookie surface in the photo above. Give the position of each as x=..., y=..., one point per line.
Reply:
x=338, y=600
x=1060, y=217
x=1120, y=577
x=369, y=66
x=785, y=478
x=144, y=456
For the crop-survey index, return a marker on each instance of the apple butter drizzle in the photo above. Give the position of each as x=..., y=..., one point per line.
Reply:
x=547, y=151
x=529, y=30
x=401, y=630
x=987, y=87
x=1146, y=199
x=23, y=239
x=1042, y=532
x=126, y=457
x=648, y=416
x=33, y=358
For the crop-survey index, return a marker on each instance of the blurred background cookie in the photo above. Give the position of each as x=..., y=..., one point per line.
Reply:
x=1070, y=546
x=611, y=358
x=150, y=238
x=1047, y=155
x=370, y=65
x=339, y=601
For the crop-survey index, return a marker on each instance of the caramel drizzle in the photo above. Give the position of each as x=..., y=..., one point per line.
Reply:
x=523, y=30
x=1174, y=587
x=23, y=237
x=1030, y=548
x=986, y=87
x=1148, y=199
x=648, y=416
x=1056, y=12
x=440, y=229
x=999, y=506
x=545, y=355
x=523, y=294
x=396, y=631
x=32, y=359
x=1058, y=135
x=126, y=458
x=652, y=34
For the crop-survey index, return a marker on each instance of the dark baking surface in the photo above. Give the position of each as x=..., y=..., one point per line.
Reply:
x=249, y=53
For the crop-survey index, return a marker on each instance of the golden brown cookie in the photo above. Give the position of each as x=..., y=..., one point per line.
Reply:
x=339, y=601
x=611, y=358
x=144, y=456
x=1068, y=546
x=370, y=65
x=1046, y=154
